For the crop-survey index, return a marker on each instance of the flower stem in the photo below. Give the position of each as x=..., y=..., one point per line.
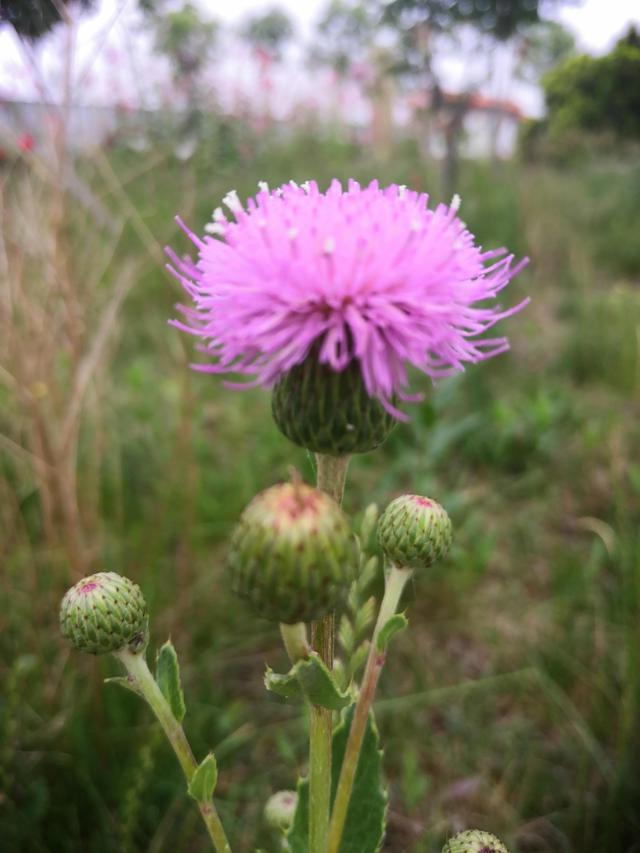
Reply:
x=136, y=666
x=396, y=580
x=331, y=477
x=332, y=474
x=320, y=742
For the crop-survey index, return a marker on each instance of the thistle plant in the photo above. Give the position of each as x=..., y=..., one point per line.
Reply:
x=326, y=298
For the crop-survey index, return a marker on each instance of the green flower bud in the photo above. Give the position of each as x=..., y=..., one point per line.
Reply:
x=280, y=809
x=414, y=532
x=474, y=841
x=328, y=412
x=105, y=613
x=292, y=554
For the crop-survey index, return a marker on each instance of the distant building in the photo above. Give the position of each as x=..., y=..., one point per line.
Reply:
x=87, y=127
x=489, y=125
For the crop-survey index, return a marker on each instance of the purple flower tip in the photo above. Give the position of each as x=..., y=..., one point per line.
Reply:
x=368, y=274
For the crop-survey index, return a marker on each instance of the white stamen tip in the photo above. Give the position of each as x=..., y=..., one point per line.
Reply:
x=307, y=187
x=233, y=202
x=294, y=185
x=402, y=189
x=456, y=201
x=214, y=228
x=218, y=215
x=263, y=186
x=329, y=245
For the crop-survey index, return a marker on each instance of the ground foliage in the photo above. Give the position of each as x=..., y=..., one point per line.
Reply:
x=513, y=699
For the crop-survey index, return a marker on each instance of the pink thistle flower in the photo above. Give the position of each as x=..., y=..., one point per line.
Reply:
x=366, y=274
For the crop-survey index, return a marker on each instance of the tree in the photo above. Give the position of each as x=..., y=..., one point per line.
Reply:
x=267, y=34
x=344, y=35
x=32, y=19
x=500, y=19
x=269, y=31
x=187, y=39
x=421, y=23
x=544, y=46
x=597, y=94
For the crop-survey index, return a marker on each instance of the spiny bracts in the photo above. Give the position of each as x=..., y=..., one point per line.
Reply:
x=328, y=412
x=474, y=841
x=414, y=532
x=292, y=554
x=105, y=613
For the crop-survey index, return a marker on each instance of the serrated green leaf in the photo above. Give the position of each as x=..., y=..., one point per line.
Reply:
x=310, y=678
x=203, y=781
x=124, y=681
x=353, y=599
x=364, y=827
x=168, y=679
x=298, y=835
x=346, y=634
x=319, y=685
x=286, y=684
x=368, y=572
x=365, y=615
x=397, y=623
x=359, y=656
x=368, y=525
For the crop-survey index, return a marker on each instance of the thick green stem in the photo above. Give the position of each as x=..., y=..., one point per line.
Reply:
x=396, y=581
x=331, y=477
x=320, y=742
x=332, y=474
x=136, y=666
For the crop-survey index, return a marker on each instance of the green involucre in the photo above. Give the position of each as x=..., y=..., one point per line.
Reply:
x=329, y=412
x=474, y=841
x=414, y=532
x=292, y=555
x=105, y=613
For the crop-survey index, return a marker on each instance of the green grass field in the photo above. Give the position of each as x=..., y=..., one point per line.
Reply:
x=513, y=701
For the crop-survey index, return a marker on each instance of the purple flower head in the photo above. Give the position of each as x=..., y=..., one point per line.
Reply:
x=365, y=274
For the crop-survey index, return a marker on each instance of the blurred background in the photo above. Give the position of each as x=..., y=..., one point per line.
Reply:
x=513, y=703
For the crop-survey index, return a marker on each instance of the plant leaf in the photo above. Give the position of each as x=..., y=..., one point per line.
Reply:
x=286, y=685
x=364, y=827
x=365, y=615
x=124, y=681
x=168, y=678
x=397, y=623
x=318, y=684
x=298, y=835
x=359, y=656
x=203, y=781
x=309, y=678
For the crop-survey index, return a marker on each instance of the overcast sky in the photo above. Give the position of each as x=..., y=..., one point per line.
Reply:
x=109, y=32
x=596, y=23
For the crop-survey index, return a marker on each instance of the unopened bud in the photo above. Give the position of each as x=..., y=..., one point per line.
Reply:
x=329, y=412
x=280, y=809
x=414, y=532
x=474, y=841
x=292, y=554
x=105, y=613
